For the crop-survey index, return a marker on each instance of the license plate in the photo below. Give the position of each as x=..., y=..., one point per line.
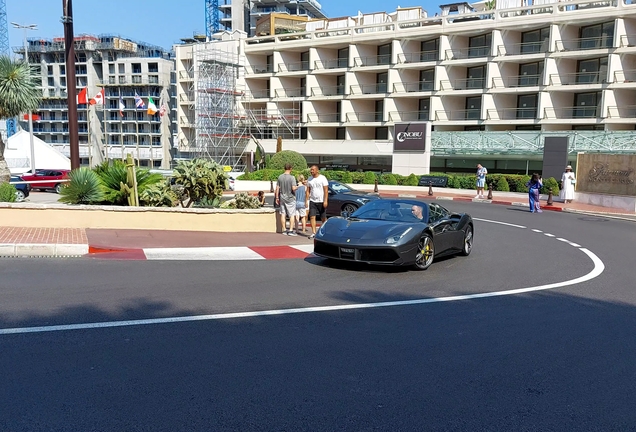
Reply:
x=345, y=250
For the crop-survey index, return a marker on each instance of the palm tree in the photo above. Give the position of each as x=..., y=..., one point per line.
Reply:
x=19, y=93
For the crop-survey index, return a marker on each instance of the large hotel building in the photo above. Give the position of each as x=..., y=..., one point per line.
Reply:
x=493, y=83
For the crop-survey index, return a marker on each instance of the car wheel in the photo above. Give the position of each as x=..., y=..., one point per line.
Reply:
x=19, y=196
x=468, y=241
x=350, y=208
x=58, y=188
x=425, y=252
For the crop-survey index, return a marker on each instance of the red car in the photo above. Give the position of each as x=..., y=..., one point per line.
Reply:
x=47, y=179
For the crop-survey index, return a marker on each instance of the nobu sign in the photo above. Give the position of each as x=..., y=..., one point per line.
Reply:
x=409, y=137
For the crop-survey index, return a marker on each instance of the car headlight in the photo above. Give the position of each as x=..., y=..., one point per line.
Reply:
x=363, y=201
x=398, y=237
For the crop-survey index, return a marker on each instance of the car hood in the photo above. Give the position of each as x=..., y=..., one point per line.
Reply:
x=361, y=194
x=365, y=229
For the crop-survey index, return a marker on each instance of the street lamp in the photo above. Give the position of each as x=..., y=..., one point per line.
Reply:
x=26, y=59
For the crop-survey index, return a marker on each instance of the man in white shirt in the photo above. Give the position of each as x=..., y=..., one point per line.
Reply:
x=317, y=197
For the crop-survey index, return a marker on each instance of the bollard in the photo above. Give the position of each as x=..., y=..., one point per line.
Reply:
x=375, y=188
x=430, y=189
x=271, y=186
x=550, y=202
x=490, y=191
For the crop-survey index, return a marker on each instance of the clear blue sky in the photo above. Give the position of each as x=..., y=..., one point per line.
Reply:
x=158, y=22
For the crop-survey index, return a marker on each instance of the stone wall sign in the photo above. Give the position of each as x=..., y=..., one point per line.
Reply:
x=606, y=174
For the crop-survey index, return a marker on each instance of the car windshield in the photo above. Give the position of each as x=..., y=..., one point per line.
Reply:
x=390, y=210
x=339, y=187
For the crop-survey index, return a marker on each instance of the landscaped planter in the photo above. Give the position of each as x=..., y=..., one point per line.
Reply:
x=28, y=215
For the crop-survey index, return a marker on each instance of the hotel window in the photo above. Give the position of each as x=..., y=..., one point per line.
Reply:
x=122, y=68
x=304, y=60
x=269, y=62
x=424, y=109
x=530, y=74
x=429, y=50
x=340, y=84
x=535, y=41
x=384, y=54
x=592, y=71
x=341, y=133
x=153, y=67
x=597, y=36
x=62, y=70
x=427, y=80
x=49, y=70
x=381, y=81
x=479, y=46
x=136, y=68
x=379, y=110
x=473, y=108
x=303, y=87
x=343, y=57
x=475, y=77
x=586, y=104
x=111, y=68
x=527, y=106
x=382, y=133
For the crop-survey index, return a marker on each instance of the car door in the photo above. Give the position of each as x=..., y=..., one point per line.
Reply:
x=442, y=226
x=40, y=178
x=333, y=203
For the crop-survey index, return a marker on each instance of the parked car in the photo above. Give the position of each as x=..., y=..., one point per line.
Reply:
x=22, y=189
x=45, y=179
x=343, y=198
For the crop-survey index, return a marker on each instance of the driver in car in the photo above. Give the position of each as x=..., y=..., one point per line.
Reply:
x=417, y=212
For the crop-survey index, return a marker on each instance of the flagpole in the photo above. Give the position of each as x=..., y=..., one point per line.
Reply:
x=104, y=133
x=121, y=126
x=88, y=129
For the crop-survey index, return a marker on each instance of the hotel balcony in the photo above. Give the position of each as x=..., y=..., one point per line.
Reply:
x=260, y=69
x=337, y=90
x=377, y=60
x=368, y=89
x=523, y=49
x=627, y=76
x=578, y=78
x=416, y=87
x=257, y=94
x=314, y=118
x=300, y=66
x=583, y=44
x=186, y=75
x=571, y=113
x=418, y=57
x=341, y=63
x=512, y=114
x=463, y=84
x=458, y=115
x=291, y=92
x=365, y=117
x=467, y=53
x=400, y=116
x=624, y=113
x=517, y=81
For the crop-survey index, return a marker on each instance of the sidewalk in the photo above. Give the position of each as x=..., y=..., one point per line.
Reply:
x=170, y=244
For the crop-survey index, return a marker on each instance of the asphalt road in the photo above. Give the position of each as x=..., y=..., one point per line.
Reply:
x=558, y=359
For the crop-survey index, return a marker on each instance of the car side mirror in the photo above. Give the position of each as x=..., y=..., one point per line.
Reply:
x=331, y=192
x=345, y=214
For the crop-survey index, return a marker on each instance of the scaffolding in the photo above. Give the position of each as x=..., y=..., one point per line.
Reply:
x=221, y=130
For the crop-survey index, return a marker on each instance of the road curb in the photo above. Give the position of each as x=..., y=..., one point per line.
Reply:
x=35, y=250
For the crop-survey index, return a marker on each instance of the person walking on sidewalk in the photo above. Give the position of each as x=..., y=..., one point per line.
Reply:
x=317, y=195
x=568, y=180
x=301, y=209
x=481, y=180
x=534, y=187
x=286, y=199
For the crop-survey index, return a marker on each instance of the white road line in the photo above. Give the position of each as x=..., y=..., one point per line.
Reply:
x=575, y=245
x=563, y=240
x=549, y=235
x=537, y=231
x=202, y=253
x=599, y=267
x=500, y=223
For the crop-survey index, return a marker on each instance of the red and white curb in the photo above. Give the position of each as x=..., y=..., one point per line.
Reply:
x=236, y=253
x=34, y=250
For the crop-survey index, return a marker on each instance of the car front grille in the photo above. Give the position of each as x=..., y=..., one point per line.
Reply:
x=378, y=255
x=325, y=249
x=385, y=255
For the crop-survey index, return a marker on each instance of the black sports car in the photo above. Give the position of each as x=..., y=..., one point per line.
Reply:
x=395, y=232
x=343, y=198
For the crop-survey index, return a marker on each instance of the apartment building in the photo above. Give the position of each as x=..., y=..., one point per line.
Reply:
x=244, y=14
x=123, y=69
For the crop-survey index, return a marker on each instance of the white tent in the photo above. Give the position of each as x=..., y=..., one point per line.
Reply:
x=18, y=154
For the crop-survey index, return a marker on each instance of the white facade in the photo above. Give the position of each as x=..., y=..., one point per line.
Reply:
x=335, y=91
x=121, y=68
x=243, y=14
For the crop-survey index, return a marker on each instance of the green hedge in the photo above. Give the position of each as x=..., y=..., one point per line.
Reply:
x=500, y=182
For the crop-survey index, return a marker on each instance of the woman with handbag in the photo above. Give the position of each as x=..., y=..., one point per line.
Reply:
x=568, y=180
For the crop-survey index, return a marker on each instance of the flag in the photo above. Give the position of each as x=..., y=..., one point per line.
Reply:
x=34, y=117
x=152, y=108
x=82, y=98
x=162, y=111
x=139, y=102
x=122, y=106
x=98, y=99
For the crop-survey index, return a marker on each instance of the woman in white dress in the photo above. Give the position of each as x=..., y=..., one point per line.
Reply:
x=568, y=179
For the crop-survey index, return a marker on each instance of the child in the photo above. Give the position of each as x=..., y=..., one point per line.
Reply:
x=261, y=198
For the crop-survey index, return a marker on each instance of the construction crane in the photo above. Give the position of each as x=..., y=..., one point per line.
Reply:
x=212, y=23
x=4, y=30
